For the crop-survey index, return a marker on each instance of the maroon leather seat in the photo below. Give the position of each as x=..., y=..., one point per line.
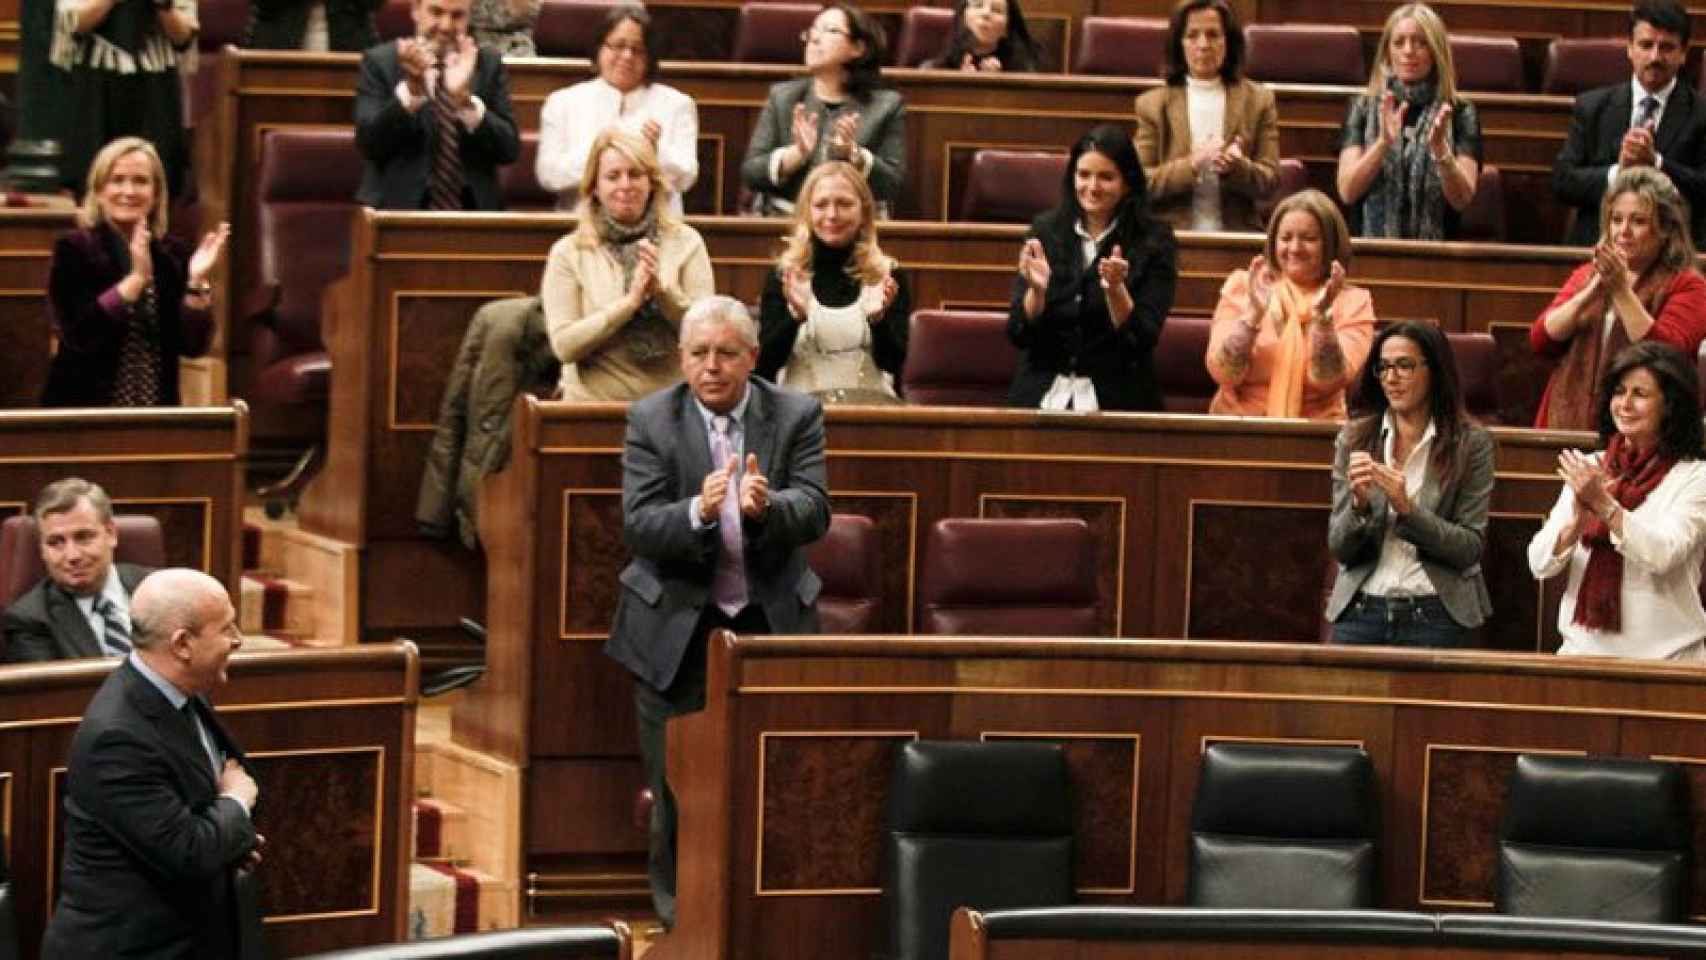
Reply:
x=1293, y=176
x=1485, y=218
x=569, y=28
x=519, y=181
x=1181, y=367
x=1304, y=53
x=308, y=179
x=221, y=22
x=1477, y=357
x=1489, y=64
x=959, y=358
x=1011, y=186
x=395, y=19
x=923, y=34
x=1574, y=64
x=770, y=32
x=847, y=561
x=140, y=541
x=1122, y=46
x=1033, y=578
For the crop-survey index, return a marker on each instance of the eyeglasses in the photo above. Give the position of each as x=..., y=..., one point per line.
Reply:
x=812, y=33
x=1405, y=367
x=618, y=49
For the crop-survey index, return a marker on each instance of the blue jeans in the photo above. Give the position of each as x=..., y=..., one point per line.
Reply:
x=1398, y=621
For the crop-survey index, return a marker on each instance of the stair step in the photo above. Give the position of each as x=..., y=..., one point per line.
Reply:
x=276, y=604
x=437, y=826
x=445, y=899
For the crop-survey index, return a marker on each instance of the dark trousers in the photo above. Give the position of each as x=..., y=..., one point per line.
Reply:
x=1399, y=621
x=653, y=709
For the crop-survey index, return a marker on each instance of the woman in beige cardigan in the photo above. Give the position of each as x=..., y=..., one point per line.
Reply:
x=1209, y=138
x=615, y=289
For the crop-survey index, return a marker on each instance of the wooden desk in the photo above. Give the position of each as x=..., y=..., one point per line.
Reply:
x=783, y=778
x=332, y=735
x=26, y=329
x=1179, y=507
x=399, y=316
x=183, y=465
x=949, y=116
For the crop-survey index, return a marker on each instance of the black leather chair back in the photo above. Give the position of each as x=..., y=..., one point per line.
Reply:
x=530, y=943
x=984, y=825
x=1599, y=838
x=1291, y=827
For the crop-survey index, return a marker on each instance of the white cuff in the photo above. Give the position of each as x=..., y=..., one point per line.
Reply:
x=409, y=101
x=776, y=165
x=473, y=114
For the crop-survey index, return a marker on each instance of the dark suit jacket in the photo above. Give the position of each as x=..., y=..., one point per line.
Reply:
x=665, y=457
x=45, y=624
x=88, y=315
x=150, y=846
x=281, y=24
x=398, y=145
x=1074, y=334
x=1597, y=127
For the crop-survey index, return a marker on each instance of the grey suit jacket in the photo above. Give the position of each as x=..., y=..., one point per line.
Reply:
x=666, y=455
x=1447, y=527
x=45, y=624
x=881, y=130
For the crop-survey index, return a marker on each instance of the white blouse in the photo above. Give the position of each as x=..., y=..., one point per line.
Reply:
x=574, y=116
x=1205, y=102
x=1663, y=545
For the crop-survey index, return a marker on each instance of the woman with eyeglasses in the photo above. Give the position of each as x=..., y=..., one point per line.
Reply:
x=622, y=96
x=988, y=36
x=835, y=112
x=1640, y=284
x=1412, y=478
x=1630, y=524
x=1290, y=333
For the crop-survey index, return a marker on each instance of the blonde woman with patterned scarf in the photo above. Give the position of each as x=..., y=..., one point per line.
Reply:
x=1410, y=153
x=615, y=290
x=1640, y=284
x=1289, y=333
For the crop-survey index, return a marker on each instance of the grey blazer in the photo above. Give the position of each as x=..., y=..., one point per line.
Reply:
x=665, y=457
x=1447, y=527
x=881, y=130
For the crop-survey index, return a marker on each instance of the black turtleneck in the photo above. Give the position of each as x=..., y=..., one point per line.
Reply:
x=834, y=287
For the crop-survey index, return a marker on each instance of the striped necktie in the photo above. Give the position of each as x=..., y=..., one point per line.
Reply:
x=444, y=188
x=115, y=635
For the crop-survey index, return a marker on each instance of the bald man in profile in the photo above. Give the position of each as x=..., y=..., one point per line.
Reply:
x=158, y=797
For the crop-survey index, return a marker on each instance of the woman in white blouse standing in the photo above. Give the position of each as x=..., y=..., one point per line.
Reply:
x=622, y=96
x=1630, y=523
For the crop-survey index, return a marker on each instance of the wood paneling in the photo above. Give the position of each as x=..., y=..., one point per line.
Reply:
x=183, y=465
x=1438, y=726
x=332, y=737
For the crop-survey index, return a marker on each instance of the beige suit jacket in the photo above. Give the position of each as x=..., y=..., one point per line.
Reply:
x=1164, y=145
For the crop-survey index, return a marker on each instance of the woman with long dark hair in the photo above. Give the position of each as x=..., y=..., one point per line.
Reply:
x=991, y=36
x=1095, y=282
x=1210, y=137
x=1630, y=523
x=1412, y=479
x=837, y=111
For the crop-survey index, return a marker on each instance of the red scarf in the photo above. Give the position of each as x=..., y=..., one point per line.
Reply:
x=1599, y=602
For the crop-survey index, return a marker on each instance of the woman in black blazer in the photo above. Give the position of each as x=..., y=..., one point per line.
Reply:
x=1095, y=283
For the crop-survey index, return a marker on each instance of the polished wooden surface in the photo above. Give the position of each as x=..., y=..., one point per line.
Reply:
x=398, y=317
x=782, y=778
x=331, y=734
x=183, y=465
x=1184, y=511
x=26, y=329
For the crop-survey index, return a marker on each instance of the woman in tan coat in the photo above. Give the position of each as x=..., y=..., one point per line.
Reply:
x=1209, y=138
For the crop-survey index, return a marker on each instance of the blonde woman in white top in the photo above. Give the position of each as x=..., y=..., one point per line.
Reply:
x=623, y=96
x=1630, y=523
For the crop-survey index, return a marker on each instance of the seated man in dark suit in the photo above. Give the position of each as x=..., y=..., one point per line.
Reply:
x=82, y=607
x=157, y=796
x=723, y=487
x=1653, y=120
x=415, y=92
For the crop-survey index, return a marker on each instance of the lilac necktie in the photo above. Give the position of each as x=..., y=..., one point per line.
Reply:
x=728, y=584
